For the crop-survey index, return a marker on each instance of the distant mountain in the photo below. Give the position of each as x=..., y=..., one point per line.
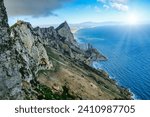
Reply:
x=75, y=27
x=78, y=26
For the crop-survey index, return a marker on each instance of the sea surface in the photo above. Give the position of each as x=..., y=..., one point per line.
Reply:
x=127, y=48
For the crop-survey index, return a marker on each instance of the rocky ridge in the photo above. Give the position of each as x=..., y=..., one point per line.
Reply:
x=48, y=63
x=63, y=40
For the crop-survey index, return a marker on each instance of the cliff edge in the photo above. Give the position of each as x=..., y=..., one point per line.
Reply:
x=48, y=63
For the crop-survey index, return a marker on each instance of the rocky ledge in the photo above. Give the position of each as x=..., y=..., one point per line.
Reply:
x=48, y=63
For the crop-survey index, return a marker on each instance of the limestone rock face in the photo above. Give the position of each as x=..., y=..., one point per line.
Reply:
x=22, y=55
x=4, y=30
x=63, y=40
x=29, y=45
x=48, y=35
x=64, y=31
x=10, y=77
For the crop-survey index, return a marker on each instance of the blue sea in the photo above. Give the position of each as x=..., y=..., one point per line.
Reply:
x=128, y=51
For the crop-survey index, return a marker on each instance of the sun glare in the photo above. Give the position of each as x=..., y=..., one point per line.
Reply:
x=132, y=19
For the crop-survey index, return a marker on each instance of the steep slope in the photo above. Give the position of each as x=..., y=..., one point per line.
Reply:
x=76, y=80
x=48, y=63
x=72, y=75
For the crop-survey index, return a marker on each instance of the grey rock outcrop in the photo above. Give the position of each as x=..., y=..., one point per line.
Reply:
x=48, y=35
x=28, y=44
x=92, y=54
x=22, y=55
x=4, y=30
x=10, y=77
x=64, y=31
x=63, y=40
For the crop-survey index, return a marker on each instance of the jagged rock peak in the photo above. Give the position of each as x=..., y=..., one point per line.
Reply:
x=50, y=31
x=20, y=22
x=65, y=32
x=63, y=25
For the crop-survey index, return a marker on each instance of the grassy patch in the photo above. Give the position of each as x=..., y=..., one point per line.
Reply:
x=51, y=54
x=46, y=93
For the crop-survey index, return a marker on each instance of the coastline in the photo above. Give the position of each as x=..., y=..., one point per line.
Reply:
x=129, y=93
x=74, y=30
x=133, y=96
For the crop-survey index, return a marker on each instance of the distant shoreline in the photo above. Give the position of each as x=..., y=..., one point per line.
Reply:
x=130, y=94
x=74, y=30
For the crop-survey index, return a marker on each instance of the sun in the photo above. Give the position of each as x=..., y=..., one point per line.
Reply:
x=132, y=19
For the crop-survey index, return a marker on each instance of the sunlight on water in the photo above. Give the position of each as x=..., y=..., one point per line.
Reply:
x=127, y=48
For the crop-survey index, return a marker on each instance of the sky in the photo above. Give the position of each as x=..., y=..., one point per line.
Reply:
x=47, y=12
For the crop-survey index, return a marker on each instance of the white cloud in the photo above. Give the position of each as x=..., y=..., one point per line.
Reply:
x=116, y=1
x=106, y=6
x=119, y=1
x=120, y=7
x=33, y=7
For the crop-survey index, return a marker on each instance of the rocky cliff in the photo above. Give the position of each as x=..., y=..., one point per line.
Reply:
x=21, y=56
x=63, y=40
x=48, y=63
x=10, y=77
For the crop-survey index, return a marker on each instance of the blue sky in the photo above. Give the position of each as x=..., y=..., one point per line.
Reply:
x=78, y=11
